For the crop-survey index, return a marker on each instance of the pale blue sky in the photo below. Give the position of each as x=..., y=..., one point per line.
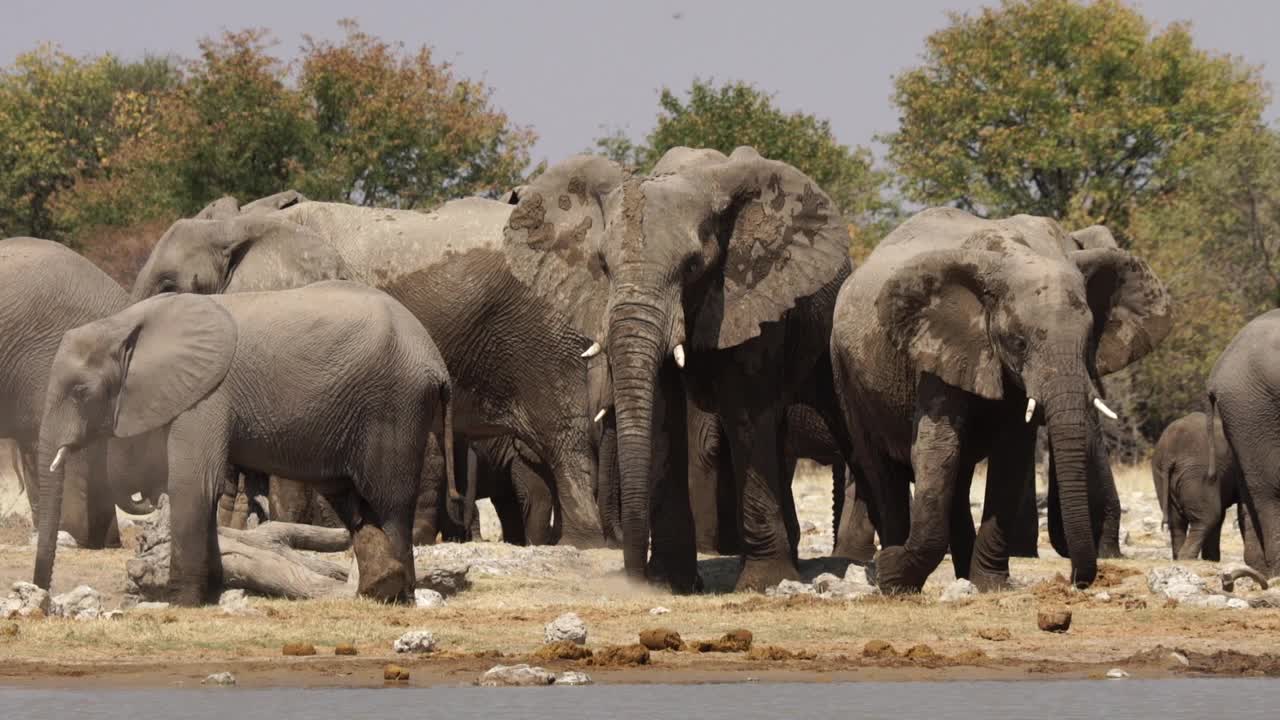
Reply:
x=570, y=68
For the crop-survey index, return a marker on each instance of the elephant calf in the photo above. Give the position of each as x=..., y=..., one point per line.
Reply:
x=335, y=384
x=1194, y=500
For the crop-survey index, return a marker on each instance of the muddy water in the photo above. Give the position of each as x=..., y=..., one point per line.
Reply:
x=1113, y=699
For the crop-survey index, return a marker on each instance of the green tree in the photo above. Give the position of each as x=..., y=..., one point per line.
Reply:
x=397, y=129
x=61, y=119
x=726, y=116
x=1076, y=111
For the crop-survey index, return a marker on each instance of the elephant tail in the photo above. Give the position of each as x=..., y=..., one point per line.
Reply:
x=467, y=512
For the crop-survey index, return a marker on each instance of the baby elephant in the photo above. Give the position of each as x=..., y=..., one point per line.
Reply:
x=1193, y=500
x=333, y=384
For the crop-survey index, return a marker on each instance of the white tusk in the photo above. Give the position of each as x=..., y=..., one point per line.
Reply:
x=600, y=415
x=592, y=351
x=1102, y=408
x=57, y=459
x=1031, y=409
x=679, y=355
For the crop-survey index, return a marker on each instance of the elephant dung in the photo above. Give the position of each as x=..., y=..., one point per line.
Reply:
x=394, y=673
x=516, y=676
x=566, y=627
x=879, y=649
x=345, y=649
x=773, y=653
x=661, y=639
x=298, y=649
x=562, y=650
x=995, y=634
x=1056, y=620
x=620, y=655
x=732, y=641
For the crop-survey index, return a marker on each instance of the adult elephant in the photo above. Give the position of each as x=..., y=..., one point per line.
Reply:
x=514, y=361
x=1243, y=387
x=806, y=436
x=1193, y=501
x=47, y=290
x=713, y=273
x=334, y=383
x=954, y=340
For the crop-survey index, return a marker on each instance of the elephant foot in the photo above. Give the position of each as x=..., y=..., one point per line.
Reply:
x=582, y=540
x=186, y=594
x=990, y=581
x=382, y=575
x=758, y=575
x=860, y=554
x=894, y=572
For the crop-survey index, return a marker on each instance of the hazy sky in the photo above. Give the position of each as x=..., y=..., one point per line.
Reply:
x=573, y=70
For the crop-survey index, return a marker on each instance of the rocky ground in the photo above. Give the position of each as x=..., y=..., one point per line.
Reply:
x=1145, y=617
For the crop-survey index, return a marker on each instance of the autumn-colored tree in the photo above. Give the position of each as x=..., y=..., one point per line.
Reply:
x=61, y=119
x=396, y=129
x=726, y=116
x=1055, y=107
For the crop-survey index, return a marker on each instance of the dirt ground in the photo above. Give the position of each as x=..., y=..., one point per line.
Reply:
x=516, y=591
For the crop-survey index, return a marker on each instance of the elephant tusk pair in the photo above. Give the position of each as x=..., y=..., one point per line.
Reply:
x=600, y=415
x=678, y=353
x=57, y=459
x=1031, y=410
x=592, y=351
x=1102, y=408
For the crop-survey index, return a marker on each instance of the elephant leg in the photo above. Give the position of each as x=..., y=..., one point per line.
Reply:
x=1212, y=548
x=240, y=510
x=1194, y=544
x=767, y=558
x=431, y=513
x=1253, y=555
x=790, y=516
x=198, y=465
x=675, y=550
x=963, y=534
x=935, y=461
x=577, y=512
x=728, y=510
x=703, y=493
x=1010, y=480
x=1109, y=542
x=1177, y=523
x=535, y=491
x=1259, y=465
x=856, y=536
x=1023, y=538
x=511, y=518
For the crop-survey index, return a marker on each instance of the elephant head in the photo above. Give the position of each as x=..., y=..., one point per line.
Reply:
x=122, y=376
x=690, y=259
x=204, y=256
x=996, y=319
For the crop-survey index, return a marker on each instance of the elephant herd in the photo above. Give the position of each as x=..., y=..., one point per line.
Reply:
x=614, y=359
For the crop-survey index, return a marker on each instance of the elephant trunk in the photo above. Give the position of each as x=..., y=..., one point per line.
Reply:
x=1066, y=407
x=637, y=345
x=52, y=472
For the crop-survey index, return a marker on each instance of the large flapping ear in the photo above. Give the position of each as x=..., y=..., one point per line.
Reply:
x=1131, y=309
x=224, y=207
x=552, y=238
x=268, y=253
x=785, y=241
x=1091, y=238
x=271, y=203
x=935, y=311
x=176, y=349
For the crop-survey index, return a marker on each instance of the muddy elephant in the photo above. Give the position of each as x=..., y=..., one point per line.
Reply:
x=1242, y=389
x=806, y=437
x=716, y=274
x=335, y=383
x=516, y=364
x=1195, y=503
x=49, y=289
x=956, y=339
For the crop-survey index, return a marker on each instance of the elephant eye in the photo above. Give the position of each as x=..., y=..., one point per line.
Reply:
x=1018, y=344
x=692, y=266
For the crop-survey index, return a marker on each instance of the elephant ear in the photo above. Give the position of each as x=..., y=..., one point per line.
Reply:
x=1090, y=238
x=176, y=349
x=1131, y=308
x=552, y=238
x=934, y=310
x=224, y=207
x=267, y=253
x=271, y=203
x=785, y=241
